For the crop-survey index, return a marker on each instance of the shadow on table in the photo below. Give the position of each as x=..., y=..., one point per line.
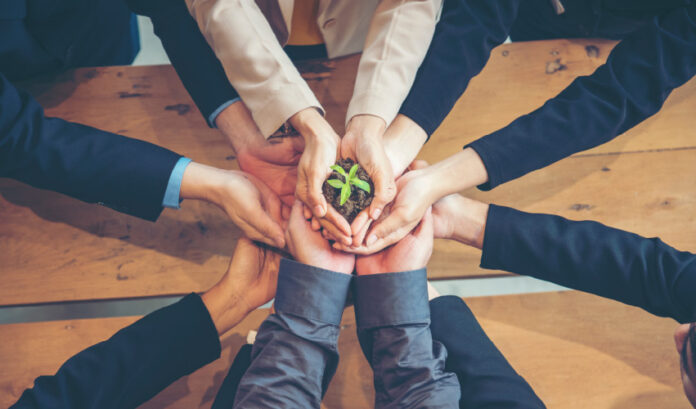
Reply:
x=194, y=233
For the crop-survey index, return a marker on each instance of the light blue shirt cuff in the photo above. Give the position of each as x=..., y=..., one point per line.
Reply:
x=171, y=195
x=214, y=115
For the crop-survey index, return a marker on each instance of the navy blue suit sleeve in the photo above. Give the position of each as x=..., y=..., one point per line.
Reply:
x=393, y=318
x=462, y=42
x=632, y=85
x=126, y=174
x=133, y=365
x=591, y=257
x=295, y=354
x=199, y=69
x=487, y=379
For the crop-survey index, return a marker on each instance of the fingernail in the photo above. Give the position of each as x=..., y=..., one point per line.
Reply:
x=318, y=210
x=371, y=240
x=347, y=241
x=376, y=213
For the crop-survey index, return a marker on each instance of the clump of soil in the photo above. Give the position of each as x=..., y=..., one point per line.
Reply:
x=358, y=200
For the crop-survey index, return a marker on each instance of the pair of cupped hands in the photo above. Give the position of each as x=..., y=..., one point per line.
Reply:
x=279, y=171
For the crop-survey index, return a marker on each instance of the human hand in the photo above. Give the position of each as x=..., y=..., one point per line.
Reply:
x=321, y=151
x=250, y=282
x=251, y=205
x=411, y=253
x=273, y=161
x=459, y=218
x=402, y=141
x=309, y=247
x=363, y=142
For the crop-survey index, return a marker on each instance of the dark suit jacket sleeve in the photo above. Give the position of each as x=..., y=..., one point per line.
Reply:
x=295, y=354
x=199, y=69
x=461, y=45
x=487, y=379
x=91, y=165
x=639, y=74
x=133, y=365
x=393, y=319
x=591, y=257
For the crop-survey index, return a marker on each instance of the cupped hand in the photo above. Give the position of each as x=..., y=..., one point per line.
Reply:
x=321, y=151
x=248, y=202
x=363, y=142
x=273, y=161
x=309, y=247
x=250, y=282
x=411, y=253
x=415, y=194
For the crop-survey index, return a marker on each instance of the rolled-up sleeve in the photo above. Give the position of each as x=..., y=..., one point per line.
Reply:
x=393, y=318
x=296, y=353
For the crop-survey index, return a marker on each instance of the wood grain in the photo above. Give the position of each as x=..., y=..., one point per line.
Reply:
x=56, y=248
x=576, y=350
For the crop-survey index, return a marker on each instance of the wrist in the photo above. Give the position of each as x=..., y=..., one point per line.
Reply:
x=470, y=222
x=202, y=182
x=236, y=123
x=310, y=124
x=226, y=308
x=403, y=140
x=460, y=171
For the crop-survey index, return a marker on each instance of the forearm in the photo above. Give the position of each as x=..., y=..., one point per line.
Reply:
x=403, y=141
x=397, y=41
x=296, y=353
x=253, y=60
x=487, y=379
x=133, y=365
x=591, y=257
x=461, y=45
x=594, y=109
x=91, y=165
x=393, y=321
x=454, y=174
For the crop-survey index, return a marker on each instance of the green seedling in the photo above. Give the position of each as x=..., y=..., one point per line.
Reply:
x=351, y=179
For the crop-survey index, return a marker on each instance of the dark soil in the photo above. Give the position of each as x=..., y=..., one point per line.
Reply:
x=358, y=200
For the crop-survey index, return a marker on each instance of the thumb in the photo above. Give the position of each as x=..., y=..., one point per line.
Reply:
x=386, y=228
x=385, y=191
x=268, y=227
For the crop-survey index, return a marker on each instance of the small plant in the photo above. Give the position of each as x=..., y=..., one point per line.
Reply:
x=351, y=179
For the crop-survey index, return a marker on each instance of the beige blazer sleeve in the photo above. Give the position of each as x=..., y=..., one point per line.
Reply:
x=396, y=44
x=254, y=61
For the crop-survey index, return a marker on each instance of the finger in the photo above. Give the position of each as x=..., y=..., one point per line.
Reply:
x=315, y=196
x=285, y=212
x=335, y=232
x=385, y=191
x=360, y=236
x=253, y=234
x=267, y=227
x=418, y=164
x=340, y=222
x=315, y=224
x=307, y=213
x=360, y=221
x=394, y=222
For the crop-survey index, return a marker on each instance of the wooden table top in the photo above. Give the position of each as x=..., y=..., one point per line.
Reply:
x=59, y=249
x=577, y=351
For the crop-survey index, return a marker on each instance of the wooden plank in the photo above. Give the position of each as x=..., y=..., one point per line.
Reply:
x=60, y=249
x=622, y=356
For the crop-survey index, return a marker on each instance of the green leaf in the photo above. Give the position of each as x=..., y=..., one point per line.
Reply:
x=335, y=183
x=353, y=171
x=361, y=184
x=345, y=193
x=339, y=170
